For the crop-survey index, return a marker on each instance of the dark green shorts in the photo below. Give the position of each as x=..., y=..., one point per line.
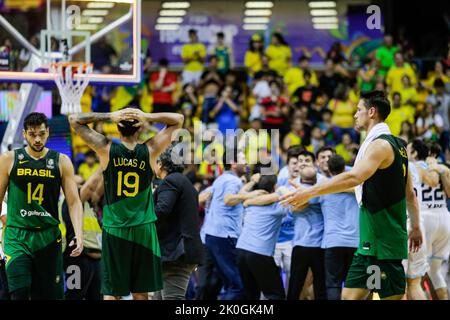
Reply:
x=386, y=277
x=34, y=261
x=131, y=260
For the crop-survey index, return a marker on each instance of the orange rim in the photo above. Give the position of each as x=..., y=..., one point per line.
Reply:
x=74, y=65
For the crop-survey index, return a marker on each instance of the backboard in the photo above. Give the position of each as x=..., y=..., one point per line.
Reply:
x=105, y=33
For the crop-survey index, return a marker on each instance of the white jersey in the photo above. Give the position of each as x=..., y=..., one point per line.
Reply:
x=417, y=182
x=430, y=198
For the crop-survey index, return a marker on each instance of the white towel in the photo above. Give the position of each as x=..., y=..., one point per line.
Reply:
x=377, y=130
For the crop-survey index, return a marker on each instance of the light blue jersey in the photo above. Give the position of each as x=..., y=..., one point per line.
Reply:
x=261, y=227
x=341, y=220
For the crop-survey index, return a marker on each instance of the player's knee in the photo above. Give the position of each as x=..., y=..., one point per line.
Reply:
x=140, y=296
x=436, y=276
x=21, y=294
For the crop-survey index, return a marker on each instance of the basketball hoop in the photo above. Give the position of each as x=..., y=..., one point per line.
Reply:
x=71, y=80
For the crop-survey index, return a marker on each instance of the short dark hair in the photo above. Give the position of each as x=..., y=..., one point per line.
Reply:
x=306, y=74
x=435, y=148
x=421, y=148
x=167, y=162
x=211, y=57
x=294, y=151
x=267, y=183
x=90, y=154
x=326, y=111
x=378, y=100
x=325, y=148
x=163, y=62
x=35, y=119
x=192, y=31
x=127, y=128
x=396, y=93
x=220, y=34
x=438, y=83
x=306, y=153
x=336, y=164
x=303, y=58
x=275, y=82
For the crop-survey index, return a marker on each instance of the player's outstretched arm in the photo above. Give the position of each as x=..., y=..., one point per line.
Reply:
x=162, y=139
x=90, y=189
x=95, y=140
x=377, y=153
x=444, y=176
x=248, y=187
x=234, y=199
x=73, y=202
x=203, y=197
x=429, y=177
x=415, y=235
x=262, y=200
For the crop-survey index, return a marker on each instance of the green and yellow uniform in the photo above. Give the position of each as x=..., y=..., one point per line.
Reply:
x=32, y=236
x=223, y=54
x=382, y=222
x=131, y=260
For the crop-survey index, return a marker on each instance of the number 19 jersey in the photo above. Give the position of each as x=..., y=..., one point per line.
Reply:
x=128, y=192
x=33, y=191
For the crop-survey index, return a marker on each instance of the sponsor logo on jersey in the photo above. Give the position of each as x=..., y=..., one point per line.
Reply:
x=403, y=153
x=50, y=164
x=22, y=162
x=24, y=213
x=366, y=246
x=34, y=172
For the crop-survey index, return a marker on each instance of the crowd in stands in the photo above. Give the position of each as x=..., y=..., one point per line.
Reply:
x=309, y=107
x=313, y=112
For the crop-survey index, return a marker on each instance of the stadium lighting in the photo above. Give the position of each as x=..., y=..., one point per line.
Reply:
x=87, y=27
x=167, y=27
x=259, y=4
x=256, y=20
x=330, y=19
x=254, y=26
x=172, y=13
x=258, y=12
x=321, y=26
x=323, y=12
x=322, y=4
x=89, y=12
x=95, y=20
x=100, y=5
x=169, y=20
x=176, y=5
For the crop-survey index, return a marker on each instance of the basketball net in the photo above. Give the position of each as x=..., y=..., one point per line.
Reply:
x=71, y=80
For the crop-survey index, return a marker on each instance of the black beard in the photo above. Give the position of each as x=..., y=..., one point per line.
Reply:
x=36, y=150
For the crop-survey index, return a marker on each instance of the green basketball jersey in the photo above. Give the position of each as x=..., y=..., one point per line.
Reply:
x=128, y=192
x=382, y=216
x=33, y=191
x=223, y=55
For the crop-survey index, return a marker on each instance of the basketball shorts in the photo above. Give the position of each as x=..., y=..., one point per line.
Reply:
x=34, y=261
x=131, y=260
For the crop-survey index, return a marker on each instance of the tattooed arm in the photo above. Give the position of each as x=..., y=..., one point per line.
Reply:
x=95, y=140
x=163, y=138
